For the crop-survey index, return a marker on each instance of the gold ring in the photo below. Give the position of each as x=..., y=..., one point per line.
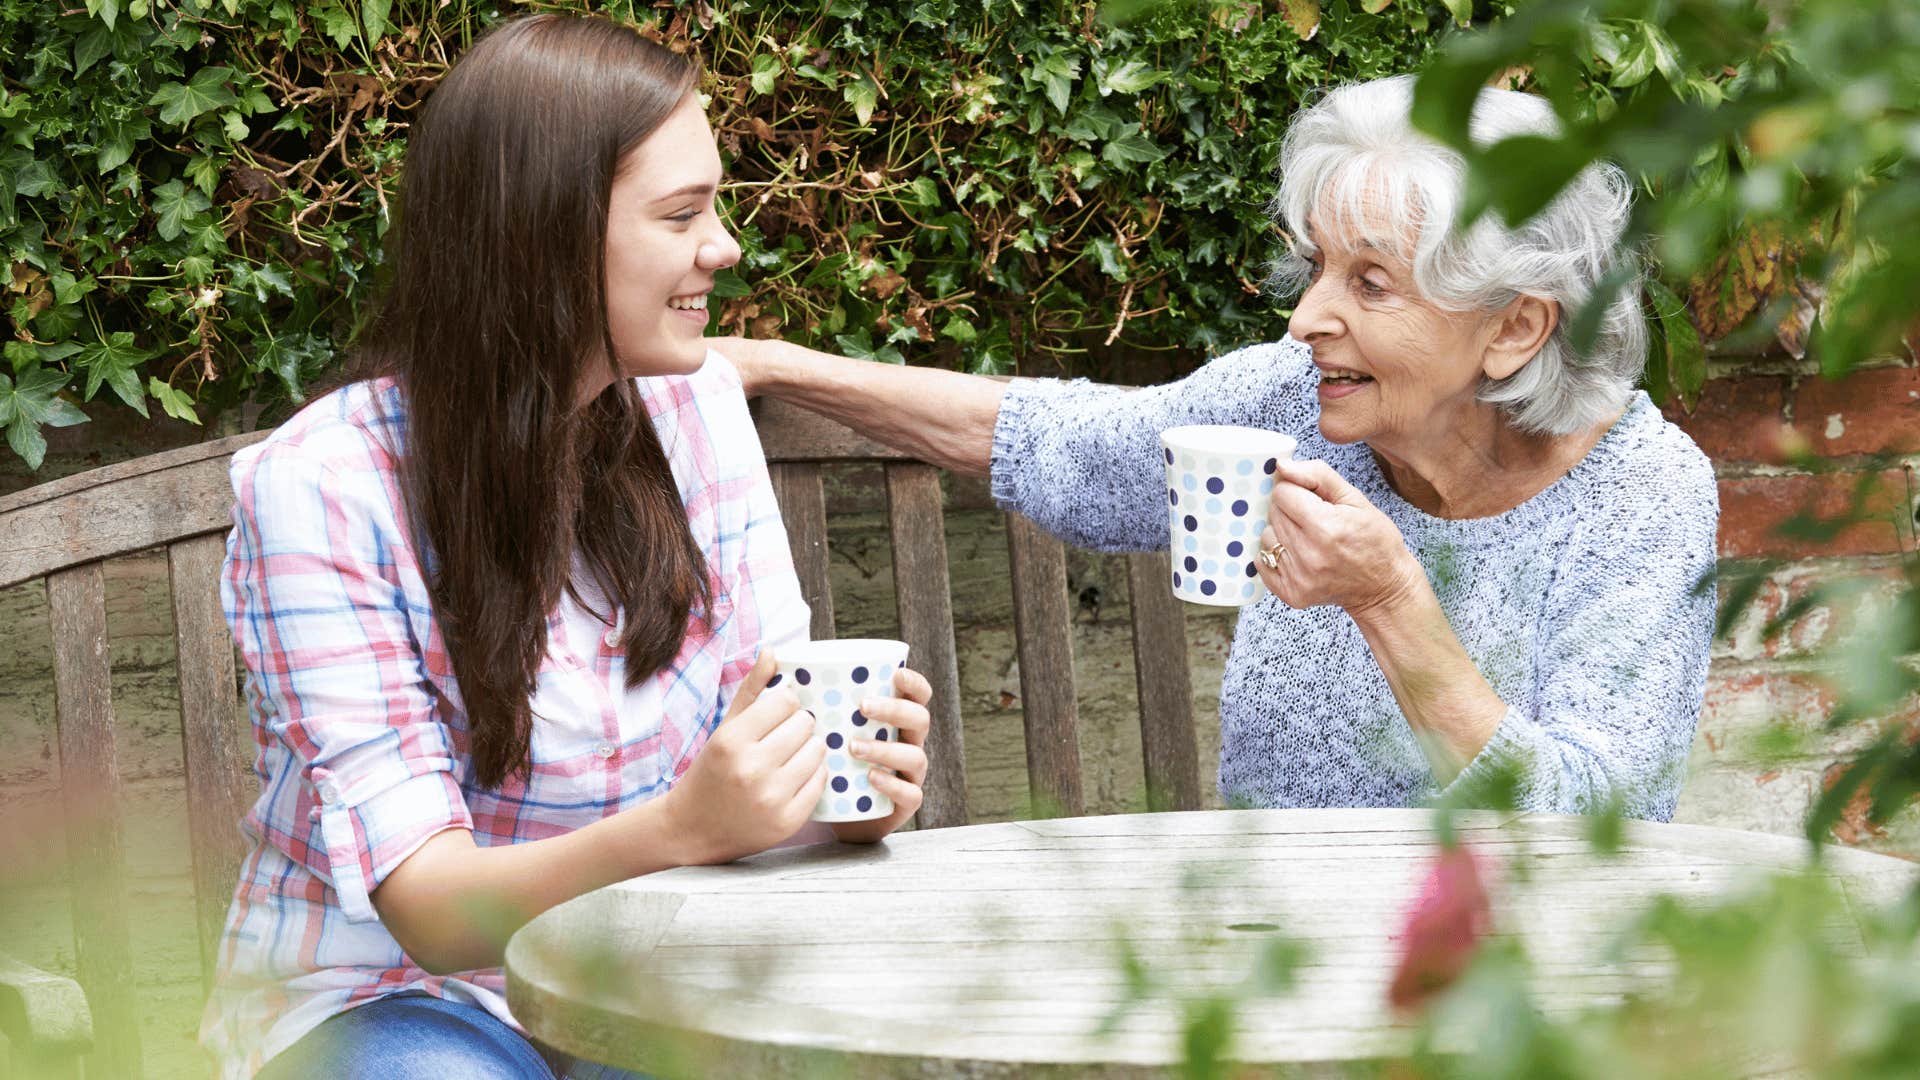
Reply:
x=1271, y=555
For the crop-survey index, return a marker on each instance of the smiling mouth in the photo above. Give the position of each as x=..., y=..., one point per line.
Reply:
x=1341, y=376
x=697, y=302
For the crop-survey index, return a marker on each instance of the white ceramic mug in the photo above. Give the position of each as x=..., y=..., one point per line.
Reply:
x=1219, y=478
x=831, y=679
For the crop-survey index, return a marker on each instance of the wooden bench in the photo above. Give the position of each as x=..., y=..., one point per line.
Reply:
x=180, y=500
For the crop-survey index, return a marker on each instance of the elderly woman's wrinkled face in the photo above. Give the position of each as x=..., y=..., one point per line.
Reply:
x=1394, y=368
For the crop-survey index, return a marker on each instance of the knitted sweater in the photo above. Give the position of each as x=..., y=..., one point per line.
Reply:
x=1589, y=608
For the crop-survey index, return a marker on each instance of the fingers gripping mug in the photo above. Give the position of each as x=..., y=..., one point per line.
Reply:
x=832, y=678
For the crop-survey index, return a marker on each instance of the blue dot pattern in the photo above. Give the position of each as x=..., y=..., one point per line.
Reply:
x=833, y=692
x=1215, y=544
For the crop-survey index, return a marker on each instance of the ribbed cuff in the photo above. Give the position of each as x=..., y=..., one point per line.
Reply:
x=1009, y=439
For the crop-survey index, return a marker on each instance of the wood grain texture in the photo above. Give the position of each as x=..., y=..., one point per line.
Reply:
x=220, y=784
x=121, y=508
x=791, y=433
x=803, y=508
x=1042, y=627
x=1001, y=943
x=1168, y=742
x=90, y=789
x=917, y=523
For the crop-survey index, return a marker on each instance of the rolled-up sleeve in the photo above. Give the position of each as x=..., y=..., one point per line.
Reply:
x=361, y=767
x=1621, y=669
x=1083, y=459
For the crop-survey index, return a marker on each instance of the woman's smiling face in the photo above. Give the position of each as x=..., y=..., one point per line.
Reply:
x=664, y=245
x=1394, y=367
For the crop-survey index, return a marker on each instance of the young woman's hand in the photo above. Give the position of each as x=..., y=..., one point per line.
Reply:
x=756, y=781
x=905, y=755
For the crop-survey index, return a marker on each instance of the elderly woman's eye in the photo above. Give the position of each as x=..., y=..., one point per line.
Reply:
x=1371, y=287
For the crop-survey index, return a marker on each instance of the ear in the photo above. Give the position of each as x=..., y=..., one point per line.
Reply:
x=1518, y=333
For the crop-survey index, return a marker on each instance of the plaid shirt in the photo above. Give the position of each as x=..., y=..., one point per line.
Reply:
x=361, y=734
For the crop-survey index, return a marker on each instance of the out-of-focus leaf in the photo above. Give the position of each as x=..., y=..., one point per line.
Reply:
x=1686, y=357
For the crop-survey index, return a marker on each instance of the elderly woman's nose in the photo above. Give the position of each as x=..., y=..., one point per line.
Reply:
x=1312, y=315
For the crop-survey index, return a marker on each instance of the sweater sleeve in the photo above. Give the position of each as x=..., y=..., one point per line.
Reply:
x=1083, y=459
x=1623, y=664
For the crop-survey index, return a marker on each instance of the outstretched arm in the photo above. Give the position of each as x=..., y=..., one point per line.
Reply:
x=941, y=417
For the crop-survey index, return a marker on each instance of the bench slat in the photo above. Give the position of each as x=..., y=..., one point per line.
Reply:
x=916, y=523
x=803, y=508
x=90, y=787
x=117, y=509
x=1165, y=681
x=1042, y=626
x=220, y=784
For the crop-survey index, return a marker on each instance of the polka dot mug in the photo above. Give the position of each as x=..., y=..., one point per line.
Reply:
x=831, y=679
x=1218, y=481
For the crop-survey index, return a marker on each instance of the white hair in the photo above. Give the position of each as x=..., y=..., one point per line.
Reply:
x=1355, y=163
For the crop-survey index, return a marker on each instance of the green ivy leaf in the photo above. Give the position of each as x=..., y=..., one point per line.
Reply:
x=94, y=45
x=959, y=329
x=117, y=141
x=35, y=178
x=104, y=10
x=1056, y=74
x=205, y=91
x=173, y=204
x=1129, y=78
x=1133, y=146
x=113, y=362
x=337, y=23
x=766, y=73
x=374, y=14
x=204, y=171
x=177, y=403
x=864, y=96
x=28, y=403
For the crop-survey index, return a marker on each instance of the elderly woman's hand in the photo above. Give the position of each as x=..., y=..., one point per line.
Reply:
x=1333, y=546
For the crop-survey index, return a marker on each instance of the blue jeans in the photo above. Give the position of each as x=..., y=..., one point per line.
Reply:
x=413, y=1034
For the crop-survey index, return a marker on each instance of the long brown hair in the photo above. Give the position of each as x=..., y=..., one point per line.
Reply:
x=496, y=310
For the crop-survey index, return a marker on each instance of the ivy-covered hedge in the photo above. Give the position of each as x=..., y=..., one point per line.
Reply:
x=193, y=194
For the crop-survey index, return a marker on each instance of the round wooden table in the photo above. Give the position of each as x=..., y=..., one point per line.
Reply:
x=995, y=950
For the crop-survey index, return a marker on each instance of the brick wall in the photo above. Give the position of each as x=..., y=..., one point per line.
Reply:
x=1792, y=448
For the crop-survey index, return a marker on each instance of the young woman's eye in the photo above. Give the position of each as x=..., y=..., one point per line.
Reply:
x=685, y=216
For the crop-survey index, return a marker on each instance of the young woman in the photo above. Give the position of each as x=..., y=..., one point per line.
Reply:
x=497, y=598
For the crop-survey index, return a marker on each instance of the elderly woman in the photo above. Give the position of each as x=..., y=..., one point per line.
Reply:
x=1491, y=568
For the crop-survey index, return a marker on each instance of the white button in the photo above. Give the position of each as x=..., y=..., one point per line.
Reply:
x=605, y=749
x=328, y=793
x=613, y=638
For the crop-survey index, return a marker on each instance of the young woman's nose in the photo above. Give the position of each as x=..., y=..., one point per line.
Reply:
x=718, y=251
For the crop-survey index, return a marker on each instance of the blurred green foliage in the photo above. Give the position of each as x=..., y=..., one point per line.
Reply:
x=1774, y=143
x=193, y=194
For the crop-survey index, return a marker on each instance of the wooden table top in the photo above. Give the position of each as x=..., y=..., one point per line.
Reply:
x=994, y=950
